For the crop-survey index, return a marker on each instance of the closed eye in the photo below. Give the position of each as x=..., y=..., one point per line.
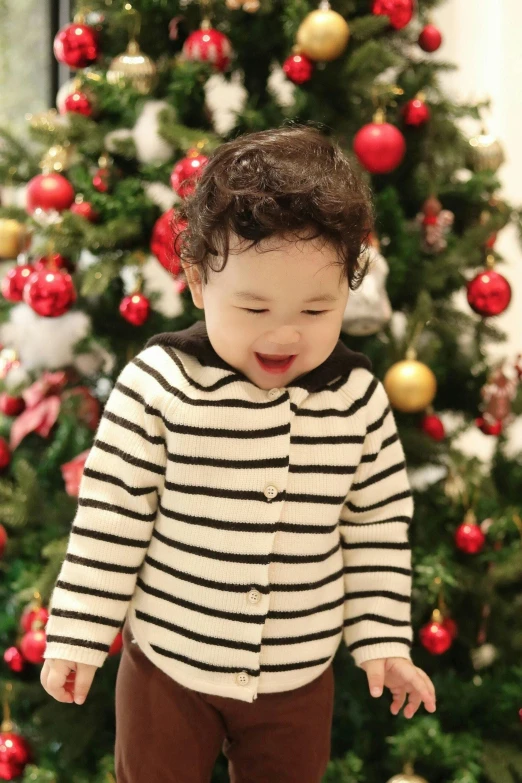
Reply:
x=309, y=312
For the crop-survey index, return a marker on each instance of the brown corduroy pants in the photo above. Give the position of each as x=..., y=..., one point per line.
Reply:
x=167, y=733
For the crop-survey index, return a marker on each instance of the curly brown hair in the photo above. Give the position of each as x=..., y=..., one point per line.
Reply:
x=281, y=181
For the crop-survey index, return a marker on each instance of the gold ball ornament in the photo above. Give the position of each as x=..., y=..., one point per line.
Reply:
x=14, y=238
x=57, y=158
x=485, y=152
x=135, y=68
x=410, y=385
x=405, y=778
x=323, y=34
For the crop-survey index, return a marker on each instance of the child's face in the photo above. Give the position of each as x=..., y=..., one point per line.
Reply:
x=287, y=273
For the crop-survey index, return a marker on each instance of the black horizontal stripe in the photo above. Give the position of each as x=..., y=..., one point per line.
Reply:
x=267, y=462
x=378, y=423
x=377, y=545
x=121, y=510
x=129, y=426
x=233, y=557
x=386, y=442
x=298, y=439
x=110, y=596
x=378, y=640
x=241, y=588
x=377, y=618
x=134, y=491
x=371, y=569
x=110, y=537
x=406, y=599
x=293, y=614
x=128, y=392
x=244, y=494
x=90, y=618
x=399, y=466
x=308, y=637
x=214, y=641
x=351, y=523
x=288, y=667
x=103, y=566
x=380, y=503
x=89, y=644
x=128, y=458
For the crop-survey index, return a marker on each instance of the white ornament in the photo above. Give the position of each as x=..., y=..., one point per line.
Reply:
x=160, y=194
x=150, y=146
x=368, y=308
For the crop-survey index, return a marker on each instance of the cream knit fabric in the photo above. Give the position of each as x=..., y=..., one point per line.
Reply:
x=245, y=532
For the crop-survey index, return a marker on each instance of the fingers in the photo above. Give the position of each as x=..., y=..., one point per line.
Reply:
x=83, y=681
x=54, y=676
x=421, y=689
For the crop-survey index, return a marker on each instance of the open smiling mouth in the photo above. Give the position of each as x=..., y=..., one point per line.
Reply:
x=275, y=365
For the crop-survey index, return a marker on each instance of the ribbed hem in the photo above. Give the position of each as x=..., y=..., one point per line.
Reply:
x=382, y=650
x=73, y=652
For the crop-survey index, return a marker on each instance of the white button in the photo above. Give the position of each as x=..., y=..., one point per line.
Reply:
x=270, y=491
x=242, y=678
x=254, y=596
x=273, y=394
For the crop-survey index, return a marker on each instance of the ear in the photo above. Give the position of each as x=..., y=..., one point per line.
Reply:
x=194, y=282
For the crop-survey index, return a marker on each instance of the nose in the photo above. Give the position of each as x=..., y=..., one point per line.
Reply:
x=284, y=335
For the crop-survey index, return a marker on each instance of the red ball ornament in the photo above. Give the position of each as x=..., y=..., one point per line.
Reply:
x=469, y=537
x=15, y=754
x=451, y=626
x=50, y=292
x=76, y=45
x=135, y=308
x=489, y=293
x=298, y=68
x=3, y=539
x=78, y=103
x=11, y=406
x=435, y=637
x=53, y=261
x=399, y=11
x=430, y=38
x=33, y=614
x=208, y=45
x=488, y=429
x=14, y=282
x=415, y=112
x=5, y=454
x=186, y=172
x=32, y=646
x=100, y=181
x=379, y=146
x=433, y=427
x=117, y=644
x=86, y=210
x=15, y=660
x=165, y=233
x=49, y=191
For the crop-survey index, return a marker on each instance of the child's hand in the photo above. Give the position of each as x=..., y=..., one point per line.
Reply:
x=67, y=680
x=401, y=676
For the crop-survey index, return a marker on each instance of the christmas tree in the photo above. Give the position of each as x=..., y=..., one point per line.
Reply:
x=89, y=241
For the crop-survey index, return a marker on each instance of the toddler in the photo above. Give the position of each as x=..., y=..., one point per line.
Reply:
x=245, y=505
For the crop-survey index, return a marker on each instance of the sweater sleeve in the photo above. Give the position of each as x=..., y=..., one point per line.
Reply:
x=118, y=495
x=374, y=527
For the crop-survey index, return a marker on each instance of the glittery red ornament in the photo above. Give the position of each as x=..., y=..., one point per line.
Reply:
x=11, y=406
x=53, y=261
x=208, y=45
x=400, y=12
x=469, y=536
x=435, y=637
x=3, y=539
x=15, y=660
x=33, y=614
x=32, y=646
x=186, y=173
x=50, y=292
x=298, y=68
x=433, y=427
x=14, y=282
x=5, y=454
x=76, y=45
x=135, y=308
x=78, y=102
x=489, y=293
x=488, y=429
x=415, y=112
x=117, y=644
x=379, y=146
x=49, y=191
x=15, y=754
x=430, y=38
x=86, y=210
x=164, y=241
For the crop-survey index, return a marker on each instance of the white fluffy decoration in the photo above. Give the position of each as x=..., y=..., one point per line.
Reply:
x=150, y=146
x=47, y=343
x=65, y=90
x=161, y=195
x=13, y=196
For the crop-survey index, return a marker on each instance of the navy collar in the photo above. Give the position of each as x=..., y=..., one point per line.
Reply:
x=194, y=340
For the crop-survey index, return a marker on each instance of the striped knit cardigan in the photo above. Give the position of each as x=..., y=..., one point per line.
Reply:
x=243, y=532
